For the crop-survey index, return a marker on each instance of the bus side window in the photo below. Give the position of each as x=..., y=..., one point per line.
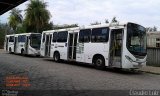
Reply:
x=62, y=36
x=21, y=38
x=54, y=37
x=84, y=35
x=43, y=37
x=11, y=39
x=100, y=35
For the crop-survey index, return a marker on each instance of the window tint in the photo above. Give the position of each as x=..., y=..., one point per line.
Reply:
x=35, y=41
x=158, y=45
x=54, y=37
x=157, y=39
x=62, y=36
x=22, y=38
x=11, y=39
x=100, y=35
x=85, y=35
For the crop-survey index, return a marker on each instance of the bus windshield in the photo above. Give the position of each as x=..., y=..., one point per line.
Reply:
x=35, y=41
x=136, y=39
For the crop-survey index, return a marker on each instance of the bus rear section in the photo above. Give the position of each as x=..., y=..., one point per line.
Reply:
x=9, y=43
x=24, y=44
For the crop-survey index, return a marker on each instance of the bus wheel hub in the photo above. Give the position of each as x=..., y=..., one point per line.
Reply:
x=99, y=62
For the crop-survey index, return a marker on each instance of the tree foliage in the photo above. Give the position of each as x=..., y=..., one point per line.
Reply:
x=15, y=18
x=65, y=26
x=106, y=21
x=152, y=29
x=96, y=23
x=4, y=29
x=37, y=16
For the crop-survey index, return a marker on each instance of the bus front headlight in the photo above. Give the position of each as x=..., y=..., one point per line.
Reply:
x=129, y=58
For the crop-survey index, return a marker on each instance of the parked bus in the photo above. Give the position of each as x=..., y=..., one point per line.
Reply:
x=112, y=45
x=25, y=43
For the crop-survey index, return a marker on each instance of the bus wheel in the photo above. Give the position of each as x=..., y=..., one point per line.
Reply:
x=56, y=57
x=99, y=62
x=22, y=52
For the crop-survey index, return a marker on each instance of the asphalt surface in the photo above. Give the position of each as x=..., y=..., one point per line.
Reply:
x=45, y=74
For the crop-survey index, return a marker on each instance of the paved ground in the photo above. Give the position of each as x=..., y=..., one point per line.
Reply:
x=44, y=74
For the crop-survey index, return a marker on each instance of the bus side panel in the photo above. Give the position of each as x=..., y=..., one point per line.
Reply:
x=61, y=48
x=80, y=52
x=10, y=46
x=21, y=45
x=91, y=49
x=32, y=51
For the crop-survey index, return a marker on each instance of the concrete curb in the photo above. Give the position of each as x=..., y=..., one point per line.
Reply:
x=151, y=70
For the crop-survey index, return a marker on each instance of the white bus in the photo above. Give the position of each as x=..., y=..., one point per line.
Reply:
x=114, y=45
x=25, y=43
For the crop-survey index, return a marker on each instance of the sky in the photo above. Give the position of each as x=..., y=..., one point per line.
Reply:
x=84, y=12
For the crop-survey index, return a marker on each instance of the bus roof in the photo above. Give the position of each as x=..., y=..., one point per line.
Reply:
x=22, y=34
x=9, y=35
x=111, y=25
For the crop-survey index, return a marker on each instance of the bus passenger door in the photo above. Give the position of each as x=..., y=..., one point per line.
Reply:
x=116, y=46
x=26, y=45
x=48, y=44
x=15, y=44
x=72, y=46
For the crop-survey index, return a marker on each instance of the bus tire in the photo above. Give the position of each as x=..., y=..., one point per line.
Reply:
x=56, y=57
x=10, y=51
x=99, y=62
x=22, y=52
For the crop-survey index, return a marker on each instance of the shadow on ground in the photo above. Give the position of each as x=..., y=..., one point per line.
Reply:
x=113, y=70
x=29, y=56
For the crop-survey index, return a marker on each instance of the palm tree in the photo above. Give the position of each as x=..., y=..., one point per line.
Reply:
x=37, y=15
x=15, y=18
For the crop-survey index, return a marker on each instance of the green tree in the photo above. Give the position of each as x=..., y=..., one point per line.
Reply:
x=96, y=23
x=114, y=20
x=4, y=29
x=152, y=29
x=21, y=29
x=106, y=21
x=37, y=16
x=65, y=26
x=48, y=26
x=15, y=19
